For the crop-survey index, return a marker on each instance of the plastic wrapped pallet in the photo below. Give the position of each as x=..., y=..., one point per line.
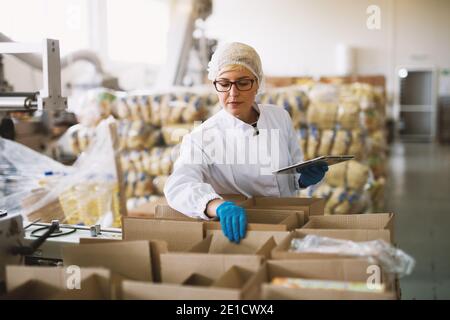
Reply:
x=86, y=192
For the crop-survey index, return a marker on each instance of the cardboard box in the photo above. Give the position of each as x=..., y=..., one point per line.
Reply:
x=156, y=248
x=90, y=289
x=216, y=254
x=32, y=290
x=165, y=212
x=258, y=219
x=131, y=260
x=267, y=220
x=368, y=221
x=282, y=252
x=255, y=242
x=29, y=282
x=179, y=235
x=338, y=270
x=236, y=283
x=148, y=209
x=310, y=206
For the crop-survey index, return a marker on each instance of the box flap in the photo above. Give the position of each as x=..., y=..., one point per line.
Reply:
x=310, y=206
x=202, y=246
x=266, y=248
x=253, y=242
x=277, y=235
x=146, y=209
x=58, y=277
x=167, y=213
x=353, y=235
x=113, y=256
x=90, y=289
x=196, y=279
x=157, y=248
x=355, y=221
x=133, y=290
x=235, y=277
x=96, y=240
x=32, y=290
x=177, y=266
x=180, y=235
x=215, y=225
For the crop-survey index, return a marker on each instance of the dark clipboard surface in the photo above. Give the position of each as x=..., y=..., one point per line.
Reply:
x=329, y=160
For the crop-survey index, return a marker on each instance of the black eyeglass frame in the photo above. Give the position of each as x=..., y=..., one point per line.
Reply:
x=234, y=83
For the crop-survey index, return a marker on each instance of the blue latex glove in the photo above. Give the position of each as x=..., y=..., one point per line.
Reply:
x=233, y=220
x=312, y=175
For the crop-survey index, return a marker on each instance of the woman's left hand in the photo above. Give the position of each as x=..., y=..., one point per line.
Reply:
x=312, y=175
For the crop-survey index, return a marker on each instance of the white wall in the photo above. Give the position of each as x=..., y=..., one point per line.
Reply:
x=299, y=37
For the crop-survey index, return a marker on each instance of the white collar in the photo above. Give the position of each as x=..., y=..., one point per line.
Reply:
x=233, y=122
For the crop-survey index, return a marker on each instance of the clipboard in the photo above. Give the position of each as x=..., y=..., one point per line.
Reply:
x=329, y=160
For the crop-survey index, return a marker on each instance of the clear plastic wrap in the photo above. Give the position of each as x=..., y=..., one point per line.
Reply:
x=37, y=186
x=391, y=259
x=96, y=105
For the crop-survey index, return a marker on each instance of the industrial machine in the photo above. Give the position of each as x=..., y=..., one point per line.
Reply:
x=37, y=243
x=47, y=99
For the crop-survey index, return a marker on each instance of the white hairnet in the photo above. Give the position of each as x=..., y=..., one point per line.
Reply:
x=240, y=54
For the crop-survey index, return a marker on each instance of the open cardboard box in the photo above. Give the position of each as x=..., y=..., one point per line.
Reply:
x=216, y=254
x=236, y=283
x=354, y=270
x=281, y=252
x=179, y=235
x=368, y=221
x=267, y=220
x=258, y=219
x=90, y=289
x=149, y=209
x=131, y=259
x=30, y=282
x=32, y=290
x=309, y=206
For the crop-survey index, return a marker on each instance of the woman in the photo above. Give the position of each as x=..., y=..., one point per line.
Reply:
x=235, y=151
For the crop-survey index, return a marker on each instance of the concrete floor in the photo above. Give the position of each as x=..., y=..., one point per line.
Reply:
x=418, y=192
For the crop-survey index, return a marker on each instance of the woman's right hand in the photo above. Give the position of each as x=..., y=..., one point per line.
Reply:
x=233, y=220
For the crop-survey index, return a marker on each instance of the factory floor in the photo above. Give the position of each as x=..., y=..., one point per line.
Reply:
x=418, y=192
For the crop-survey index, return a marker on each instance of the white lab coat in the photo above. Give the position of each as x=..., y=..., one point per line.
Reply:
x=203, y=171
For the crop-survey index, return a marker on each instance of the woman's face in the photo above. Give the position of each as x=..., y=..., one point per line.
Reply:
x=235, y=101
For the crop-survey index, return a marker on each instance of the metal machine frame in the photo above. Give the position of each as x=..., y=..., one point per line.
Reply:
x=49, y=98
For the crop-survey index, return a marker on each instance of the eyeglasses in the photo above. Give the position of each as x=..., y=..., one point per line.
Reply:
x=241, y=85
